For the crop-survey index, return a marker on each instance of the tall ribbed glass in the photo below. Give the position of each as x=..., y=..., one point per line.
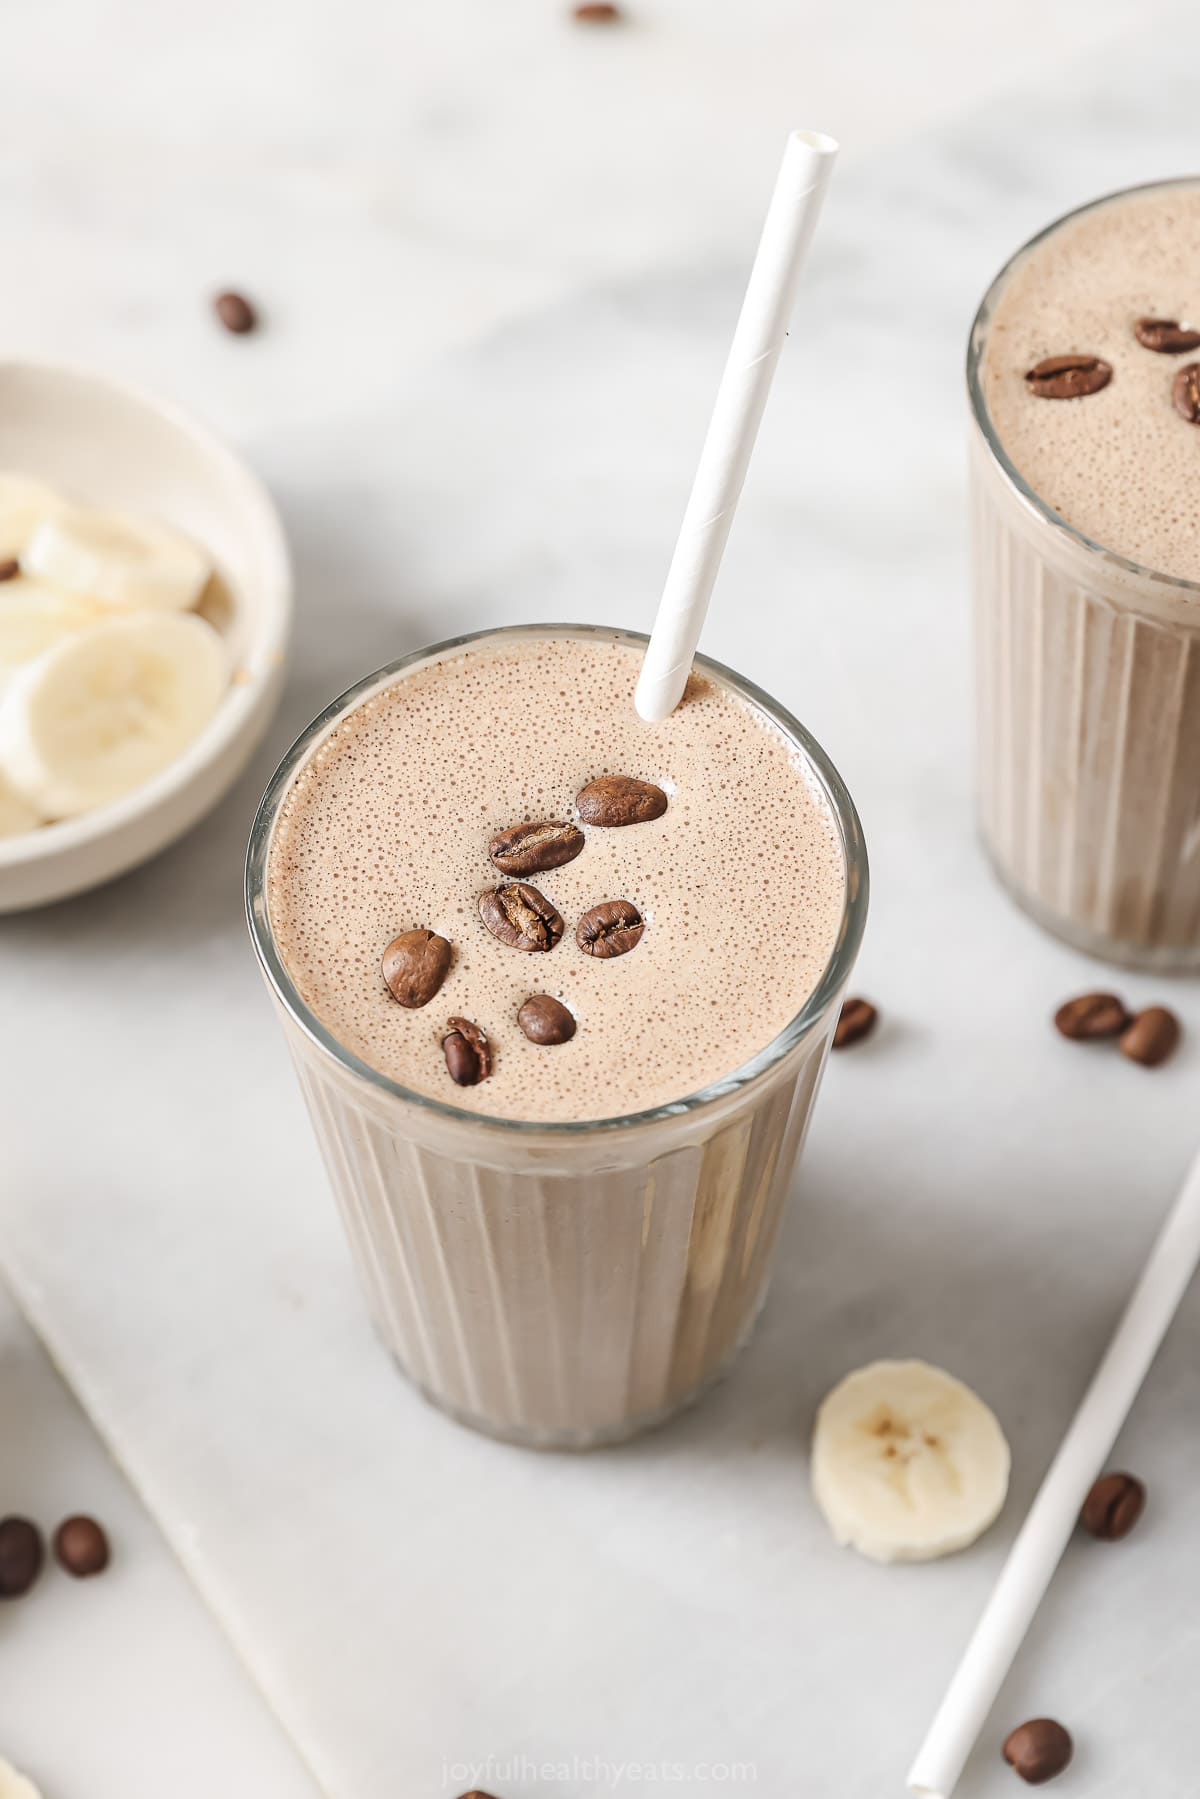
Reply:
x=563, y=1285
x=1088, y=716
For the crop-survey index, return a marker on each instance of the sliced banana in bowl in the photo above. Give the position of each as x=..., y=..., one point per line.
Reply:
x=105, y=675
x=116, y=560
x=120, y=515
x=101, y=712
x=16, y=814
x=24, y=503
x=907, y=1462
x=33, y=618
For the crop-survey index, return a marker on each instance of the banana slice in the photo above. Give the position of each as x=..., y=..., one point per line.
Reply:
x=33, y=618
x=14, y=1785
x=100, y=713
x=16, y=816
x=133, y=563
x=907, y=1462
x=24, y=504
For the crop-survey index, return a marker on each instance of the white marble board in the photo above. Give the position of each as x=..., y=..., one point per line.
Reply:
x=123, y=1683
x=409, y=1597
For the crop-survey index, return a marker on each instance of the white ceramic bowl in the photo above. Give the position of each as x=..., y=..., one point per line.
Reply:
x=110, y=446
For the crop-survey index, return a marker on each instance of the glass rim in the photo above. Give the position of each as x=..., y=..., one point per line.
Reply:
x=837, y=968
x=976, y=345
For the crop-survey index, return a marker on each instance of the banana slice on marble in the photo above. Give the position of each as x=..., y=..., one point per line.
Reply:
x=24, y=504
x=101, y=712
x=132, y=563
x=907, y=1462
x=34, y=617
x=14, y=1785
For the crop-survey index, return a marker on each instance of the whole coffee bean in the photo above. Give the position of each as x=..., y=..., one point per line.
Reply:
x=856, y=1020
x=597, y=12
x=1167, y=336
x=545, y=1019
x=81, y=1547
x=1091, y=1015
x=1185, y=391
x=235, y=313
x=21, y=1556
x=1068, y=377
x=531, y=849
x=468, y=1053
x=612, y=928
x=1151, y=1036
x=1038, y=1750
x=612, y=800
x=414, y=966
x=10, y=568
x=1113, y=1506
x=521, y=916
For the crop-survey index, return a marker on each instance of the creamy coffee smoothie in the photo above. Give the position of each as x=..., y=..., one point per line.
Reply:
x=739, y=882
x=1085, y=385
x=559, y=986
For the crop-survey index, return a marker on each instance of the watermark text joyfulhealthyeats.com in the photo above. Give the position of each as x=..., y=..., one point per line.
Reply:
x=497, y=1772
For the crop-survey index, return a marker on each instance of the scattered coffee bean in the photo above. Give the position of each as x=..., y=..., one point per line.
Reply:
x=1167, y=336
x=468, y=1053
x=612, y=928
x=414, y=967
x=235, y=313
x=1090, y=1016
x=855, y=1021
x=1038, y=1750
x=612, y=800
x=531, y=849
x=10, y=568
x=1113, y=1506
x=1150, y=1037
x=1068, y=377
x=81, y=1547
x=545, y=1019
x=597, y=12
x=1185, y=391
x=520, y=916
x=21, y=1556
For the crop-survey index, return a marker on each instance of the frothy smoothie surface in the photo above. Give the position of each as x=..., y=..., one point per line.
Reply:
x=741, y=882
x=1121, y=464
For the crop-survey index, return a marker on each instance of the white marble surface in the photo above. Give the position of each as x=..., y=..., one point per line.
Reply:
x=501, y=261
x=111, y=1686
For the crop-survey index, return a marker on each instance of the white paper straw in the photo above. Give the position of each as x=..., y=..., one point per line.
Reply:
x=1052, y=1517
x=761, y=328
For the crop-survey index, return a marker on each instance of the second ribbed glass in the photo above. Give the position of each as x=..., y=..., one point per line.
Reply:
x=1088, y=714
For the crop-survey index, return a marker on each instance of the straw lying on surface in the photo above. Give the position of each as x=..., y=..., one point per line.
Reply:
x=1043, y=1536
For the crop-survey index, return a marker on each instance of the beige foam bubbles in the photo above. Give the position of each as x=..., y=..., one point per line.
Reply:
x=1120, y=465
x=741, y=882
